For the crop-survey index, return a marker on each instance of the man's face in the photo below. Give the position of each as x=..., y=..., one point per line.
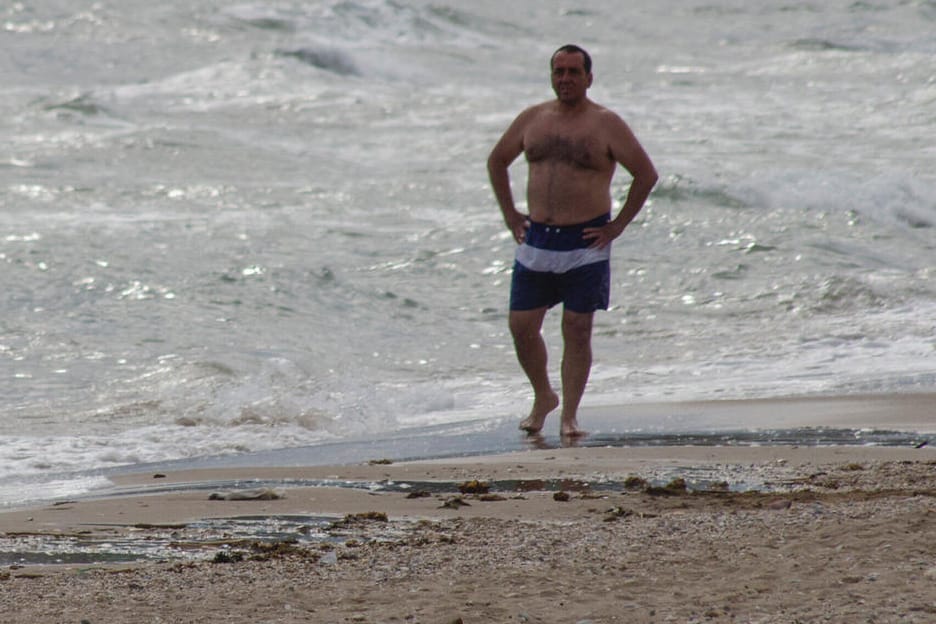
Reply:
x=569, y=79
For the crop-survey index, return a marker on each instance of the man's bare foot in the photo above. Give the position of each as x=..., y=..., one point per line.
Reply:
x=570, y=429
x=533, y=423
x=538, y=441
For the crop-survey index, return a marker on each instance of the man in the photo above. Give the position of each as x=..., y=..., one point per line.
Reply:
x=572, y=146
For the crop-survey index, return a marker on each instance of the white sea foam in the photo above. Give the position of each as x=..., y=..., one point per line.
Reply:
x=24, y=491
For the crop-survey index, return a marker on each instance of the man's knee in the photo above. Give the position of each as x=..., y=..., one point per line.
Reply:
x=576, y=325
x=525, y=324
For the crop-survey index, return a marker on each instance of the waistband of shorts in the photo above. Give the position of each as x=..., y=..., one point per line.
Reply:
x=561, y=237
x=596, y=222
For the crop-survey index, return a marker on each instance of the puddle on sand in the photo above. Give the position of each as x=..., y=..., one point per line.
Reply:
x=104, y=544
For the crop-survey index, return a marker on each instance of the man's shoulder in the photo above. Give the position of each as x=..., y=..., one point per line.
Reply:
x=537, y=110
x=601, y=110
x=532, y=116
x=609, y=121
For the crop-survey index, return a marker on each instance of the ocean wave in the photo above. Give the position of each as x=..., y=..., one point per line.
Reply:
x=678, y=188
x=840, y=294
x=329, y=59
x=239, y=226
x=369, y=23
x=264, y=17
x=823, y=45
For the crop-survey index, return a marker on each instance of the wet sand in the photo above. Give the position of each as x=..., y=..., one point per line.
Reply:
x=771, y=534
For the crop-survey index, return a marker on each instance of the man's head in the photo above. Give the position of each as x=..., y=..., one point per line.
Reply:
x=571, y=48
x=571, y=73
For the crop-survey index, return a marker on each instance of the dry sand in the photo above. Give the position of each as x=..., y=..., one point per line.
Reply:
x=770, y=534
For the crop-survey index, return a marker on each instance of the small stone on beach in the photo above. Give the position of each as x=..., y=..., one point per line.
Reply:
x=264, y=494
x=454, y=503
x=474, y=487
x=419, y=494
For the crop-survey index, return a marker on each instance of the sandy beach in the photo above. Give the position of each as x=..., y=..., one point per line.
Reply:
x=256, y=354
x=767, y=533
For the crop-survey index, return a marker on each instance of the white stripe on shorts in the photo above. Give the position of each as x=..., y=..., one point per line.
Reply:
x=550, y=261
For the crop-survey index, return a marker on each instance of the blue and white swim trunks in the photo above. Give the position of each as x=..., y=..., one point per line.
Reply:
x=556, y=265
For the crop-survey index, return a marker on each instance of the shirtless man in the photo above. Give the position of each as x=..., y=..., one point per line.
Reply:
x=572, y=146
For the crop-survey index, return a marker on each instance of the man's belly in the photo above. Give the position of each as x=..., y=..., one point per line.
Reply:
x=567, y=199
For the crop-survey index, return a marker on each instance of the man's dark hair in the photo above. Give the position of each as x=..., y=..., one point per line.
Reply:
x=571, y=48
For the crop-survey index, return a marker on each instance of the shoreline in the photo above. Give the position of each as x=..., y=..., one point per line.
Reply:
x=910, y=418
x=602, y=533
x=666, y=440
x=838, y=532
x=190, y=496
x=631, y=424
x=890, y=420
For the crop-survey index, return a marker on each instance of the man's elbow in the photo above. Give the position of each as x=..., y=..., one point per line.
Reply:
x=650, y=174
x=495, y=161
x=491, y=163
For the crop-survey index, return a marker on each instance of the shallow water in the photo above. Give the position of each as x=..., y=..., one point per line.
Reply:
x=240, y=227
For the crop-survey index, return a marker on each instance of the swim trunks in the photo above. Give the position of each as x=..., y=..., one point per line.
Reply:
x=555, y=264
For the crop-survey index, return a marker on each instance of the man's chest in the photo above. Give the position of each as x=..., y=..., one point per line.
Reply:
x=576, y=146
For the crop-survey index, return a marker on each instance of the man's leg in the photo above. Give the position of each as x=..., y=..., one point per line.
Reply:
x=576, y=365
x=526, y=326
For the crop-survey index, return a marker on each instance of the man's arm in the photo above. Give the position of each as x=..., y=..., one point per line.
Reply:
x=504, y=153
x=627, y=150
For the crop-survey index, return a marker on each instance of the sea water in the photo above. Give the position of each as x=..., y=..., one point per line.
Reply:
x=229, y=227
